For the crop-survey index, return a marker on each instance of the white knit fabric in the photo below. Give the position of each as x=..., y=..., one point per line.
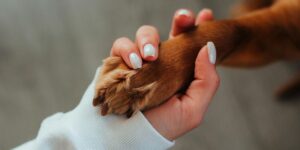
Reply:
x=85, y=129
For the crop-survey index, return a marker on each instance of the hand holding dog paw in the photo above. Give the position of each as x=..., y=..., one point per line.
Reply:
x=181, y=113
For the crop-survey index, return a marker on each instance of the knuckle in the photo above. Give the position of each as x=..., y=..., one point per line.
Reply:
x=118, y=41
x=147, y=34
x=121, y=46
x=121, y=43
x=148, y=27
x=147, y=30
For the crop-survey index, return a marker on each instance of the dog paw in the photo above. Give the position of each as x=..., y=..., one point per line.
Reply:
x=115, y=92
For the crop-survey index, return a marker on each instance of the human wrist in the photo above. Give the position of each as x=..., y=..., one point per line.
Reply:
x=161, y=128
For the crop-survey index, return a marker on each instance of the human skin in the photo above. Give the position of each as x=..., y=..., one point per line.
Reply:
x=181, y=113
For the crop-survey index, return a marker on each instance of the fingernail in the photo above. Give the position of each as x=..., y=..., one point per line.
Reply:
x=135, y=61
x=183, y=12
x=149, y=50
x=212, y=54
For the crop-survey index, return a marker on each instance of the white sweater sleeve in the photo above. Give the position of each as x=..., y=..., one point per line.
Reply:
x=85, y=129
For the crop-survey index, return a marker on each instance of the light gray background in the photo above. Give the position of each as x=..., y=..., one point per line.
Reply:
x=49, y=50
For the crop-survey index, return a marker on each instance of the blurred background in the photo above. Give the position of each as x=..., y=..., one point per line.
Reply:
x=50, y=49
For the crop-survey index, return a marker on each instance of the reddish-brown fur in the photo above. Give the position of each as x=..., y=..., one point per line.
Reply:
x=256, y=38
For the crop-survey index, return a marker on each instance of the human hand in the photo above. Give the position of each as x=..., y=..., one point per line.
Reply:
x=181, y=113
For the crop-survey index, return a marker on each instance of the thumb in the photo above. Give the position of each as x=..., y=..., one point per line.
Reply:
x=205, y=63
x=206, y=82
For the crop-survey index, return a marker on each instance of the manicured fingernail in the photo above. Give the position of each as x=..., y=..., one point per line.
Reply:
x=149, y=50
x=135, y=61
x=183, y=12
x=212, y=54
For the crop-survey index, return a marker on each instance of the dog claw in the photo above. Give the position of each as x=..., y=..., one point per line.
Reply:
x=98, y=100
x=104, y=109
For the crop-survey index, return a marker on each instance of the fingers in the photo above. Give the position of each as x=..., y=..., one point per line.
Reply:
x=203, y=88
x=146, y=47
x=147, y=39
x=183, y=20
x=204, y=15
x=126, y=49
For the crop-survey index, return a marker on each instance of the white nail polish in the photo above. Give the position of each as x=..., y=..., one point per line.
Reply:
x=149, y=50
x=135, y=61
x=183, y=12
x=212, y=54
